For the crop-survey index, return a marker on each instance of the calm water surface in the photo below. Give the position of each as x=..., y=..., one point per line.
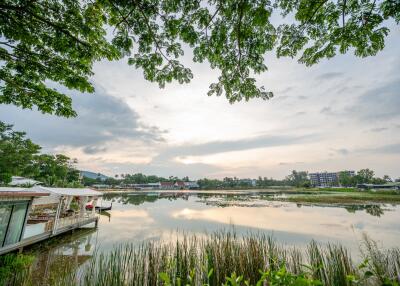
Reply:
x=139, y=218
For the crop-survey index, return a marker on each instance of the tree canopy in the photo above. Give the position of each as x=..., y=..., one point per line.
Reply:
x=363, y=176
x=298, y=179
x=16, y=153
x=44, y=42
x=19, y=156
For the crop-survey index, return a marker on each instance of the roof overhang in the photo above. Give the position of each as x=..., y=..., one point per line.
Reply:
x=79, y=192
x=22, y=192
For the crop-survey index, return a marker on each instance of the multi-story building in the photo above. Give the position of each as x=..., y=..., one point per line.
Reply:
x=326, y=179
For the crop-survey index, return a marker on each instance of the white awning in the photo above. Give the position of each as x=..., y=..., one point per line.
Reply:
x=70, y=191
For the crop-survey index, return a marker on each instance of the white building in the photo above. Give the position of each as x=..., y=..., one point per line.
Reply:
x=21, y=181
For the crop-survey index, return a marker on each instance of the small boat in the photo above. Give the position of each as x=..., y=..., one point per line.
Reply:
x=102, y=209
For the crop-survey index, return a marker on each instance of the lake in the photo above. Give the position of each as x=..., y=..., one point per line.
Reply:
x=136, y=218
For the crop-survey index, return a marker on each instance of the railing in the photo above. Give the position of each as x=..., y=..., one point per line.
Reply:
x=74, y=219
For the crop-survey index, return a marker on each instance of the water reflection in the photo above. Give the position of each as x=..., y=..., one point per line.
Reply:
x=374, y=210
x=106, y=214
x=61, y=255
x=239, y=200
x=138, y=199
x=154, y=216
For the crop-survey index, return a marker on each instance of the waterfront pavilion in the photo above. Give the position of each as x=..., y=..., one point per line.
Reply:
x=49, y=212
x=63, y=209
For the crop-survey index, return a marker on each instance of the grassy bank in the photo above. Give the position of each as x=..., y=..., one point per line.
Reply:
x=352, y=199
x=345, y=198
x=225, y=259
x=350, y=190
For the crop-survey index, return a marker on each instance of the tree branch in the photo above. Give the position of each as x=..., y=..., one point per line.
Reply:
x=147, y=21
x=212, y=18
x=124, y=17
x=303, y=26
x=369, y=13
x=343, y=12
x=238, y=36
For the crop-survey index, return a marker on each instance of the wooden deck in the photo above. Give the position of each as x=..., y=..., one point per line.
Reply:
x=48, y=234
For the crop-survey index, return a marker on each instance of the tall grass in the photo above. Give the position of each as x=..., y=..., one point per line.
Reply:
x=223, y=258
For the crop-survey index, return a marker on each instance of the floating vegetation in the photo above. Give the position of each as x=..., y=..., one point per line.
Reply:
x=277, y=201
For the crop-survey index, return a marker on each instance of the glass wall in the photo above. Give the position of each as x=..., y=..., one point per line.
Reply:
x=5, y=214
x=12, y=219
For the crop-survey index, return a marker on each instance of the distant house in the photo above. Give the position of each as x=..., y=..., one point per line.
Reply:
x=148, y=186
x=100, y=186
x=179, y=185
x=167, y=186
x=191, y=185
x=21, y=181
x=387, y=186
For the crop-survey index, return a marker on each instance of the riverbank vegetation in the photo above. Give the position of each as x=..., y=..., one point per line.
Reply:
x=19, y=156
x=14, y=268
x=349, y=198
x=223, y=258
x=337, y=196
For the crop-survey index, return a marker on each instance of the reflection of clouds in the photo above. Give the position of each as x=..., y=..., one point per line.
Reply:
x=127, y=225
x=360, y=225
x=332, y=225
x=134, y=214
x=314, y=221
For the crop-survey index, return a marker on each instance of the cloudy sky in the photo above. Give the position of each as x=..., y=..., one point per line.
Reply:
x=343, y=113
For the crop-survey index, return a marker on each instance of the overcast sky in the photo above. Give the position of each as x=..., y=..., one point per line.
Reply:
x=340, y=114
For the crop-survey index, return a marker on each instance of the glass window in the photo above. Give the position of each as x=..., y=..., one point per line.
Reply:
x=16, y=223
x=5, y=213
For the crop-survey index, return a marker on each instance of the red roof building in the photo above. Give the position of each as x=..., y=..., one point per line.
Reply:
x=180, y=185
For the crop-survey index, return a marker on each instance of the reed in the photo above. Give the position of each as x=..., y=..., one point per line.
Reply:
x=223, y=258
x=215, y=259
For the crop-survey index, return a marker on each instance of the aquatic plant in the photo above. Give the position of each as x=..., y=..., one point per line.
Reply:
x=13, y=269
x=223, y=258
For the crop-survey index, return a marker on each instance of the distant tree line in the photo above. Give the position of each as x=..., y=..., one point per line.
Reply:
x=19, y=156
x=295, y=179
x=364, y=176
x=299, y=179
x=226, y=183
x=130, y=179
